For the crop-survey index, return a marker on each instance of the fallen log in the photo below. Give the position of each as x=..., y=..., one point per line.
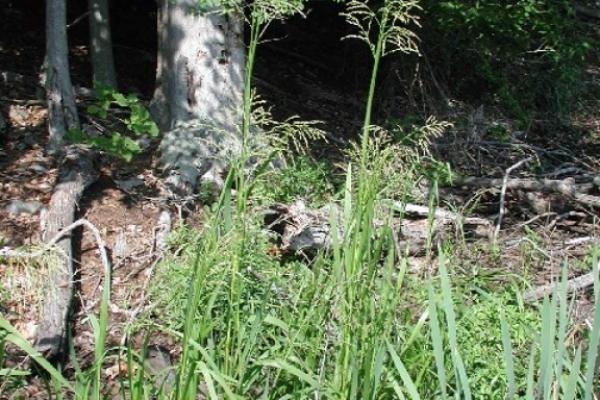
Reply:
x=574, y=188
x=305, y=230
x=76, y=173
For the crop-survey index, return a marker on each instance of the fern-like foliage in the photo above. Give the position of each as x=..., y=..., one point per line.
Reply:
x=260, y=11
x=398, y=156
x=391, y=23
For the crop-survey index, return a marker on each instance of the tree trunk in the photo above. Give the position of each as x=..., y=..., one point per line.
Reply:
x=62, y=111
x=77, y=172
x=199, y=90
x=101, y=43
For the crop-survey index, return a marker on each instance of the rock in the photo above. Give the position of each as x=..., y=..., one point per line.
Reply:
x=38, y=169
x=3, y=239
x=158, y=364
x=127, y=185
x=120, y=247
x=91, y=130
x=82, y=91
x=192, y=149
x=163, y=228
x=45, y=187
x=144, y=142
x=17, y=207
x=18, y=115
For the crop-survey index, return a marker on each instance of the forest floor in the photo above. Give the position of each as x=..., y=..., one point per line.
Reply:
x=125, y=202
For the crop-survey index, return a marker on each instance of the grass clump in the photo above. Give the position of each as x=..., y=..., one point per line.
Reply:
x=480, y=337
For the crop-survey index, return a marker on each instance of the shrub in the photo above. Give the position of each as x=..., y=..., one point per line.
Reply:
x=522, y=54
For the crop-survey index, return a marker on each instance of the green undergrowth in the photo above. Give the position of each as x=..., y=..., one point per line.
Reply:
x=292, y=297
x=301, y=178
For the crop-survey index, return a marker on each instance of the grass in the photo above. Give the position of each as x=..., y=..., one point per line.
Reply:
x=351, y=324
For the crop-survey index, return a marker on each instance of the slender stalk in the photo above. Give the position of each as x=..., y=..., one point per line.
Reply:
x=371, y=95
x=255, y=29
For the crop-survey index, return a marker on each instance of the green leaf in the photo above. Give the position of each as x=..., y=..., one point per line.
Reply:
x=120, y=99
x=94, y=109
x=404, y=375
x=153, y=129
x=76, y=135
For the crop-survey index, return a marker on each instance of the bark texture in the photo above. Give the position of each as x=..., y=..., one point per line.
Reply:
x=77, y=172
x=62, y=111
x=200, y=71
x=103, y=64
x=199, y=92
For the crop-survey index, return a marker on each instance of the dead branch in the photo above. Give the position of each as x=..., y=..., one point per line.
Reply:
x=567, y=187
x=8, y=252
x=580, y=283
x=502, y=210
x=587, y=11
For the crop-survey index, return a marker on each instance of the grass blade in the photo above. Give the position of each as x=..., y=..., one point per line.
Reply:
x=404, y=375
x=508, y=358
x=290, y=369
x=448, y=305
x=571, y=388
x=15, y=338
x=592, y=353
x=437, y=342
x=531, y=376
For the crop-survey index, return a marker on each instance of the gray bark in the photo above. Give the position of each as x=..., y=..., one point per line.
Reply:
x=101, y=43
x=62, y=111
x=582, y=282
x=77, y=172
x=199, y=90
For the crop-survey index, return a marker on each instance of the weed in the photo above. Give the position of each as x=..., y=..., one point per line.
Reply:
x=136, y=124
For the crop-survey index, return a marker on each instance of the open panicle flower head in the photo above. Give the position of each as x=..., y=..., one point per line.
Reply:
x=391, y=22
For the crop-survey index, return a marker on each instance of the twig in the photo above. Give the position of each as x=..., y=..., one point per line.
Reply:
x=503, y=195
x=142, y=302
x=573, y=285
x=529, y=221
x=581, y=240
x=78, y=19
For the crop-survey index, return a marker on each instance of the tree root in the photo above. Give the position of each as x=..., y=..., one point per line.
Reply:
x=76, y=173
